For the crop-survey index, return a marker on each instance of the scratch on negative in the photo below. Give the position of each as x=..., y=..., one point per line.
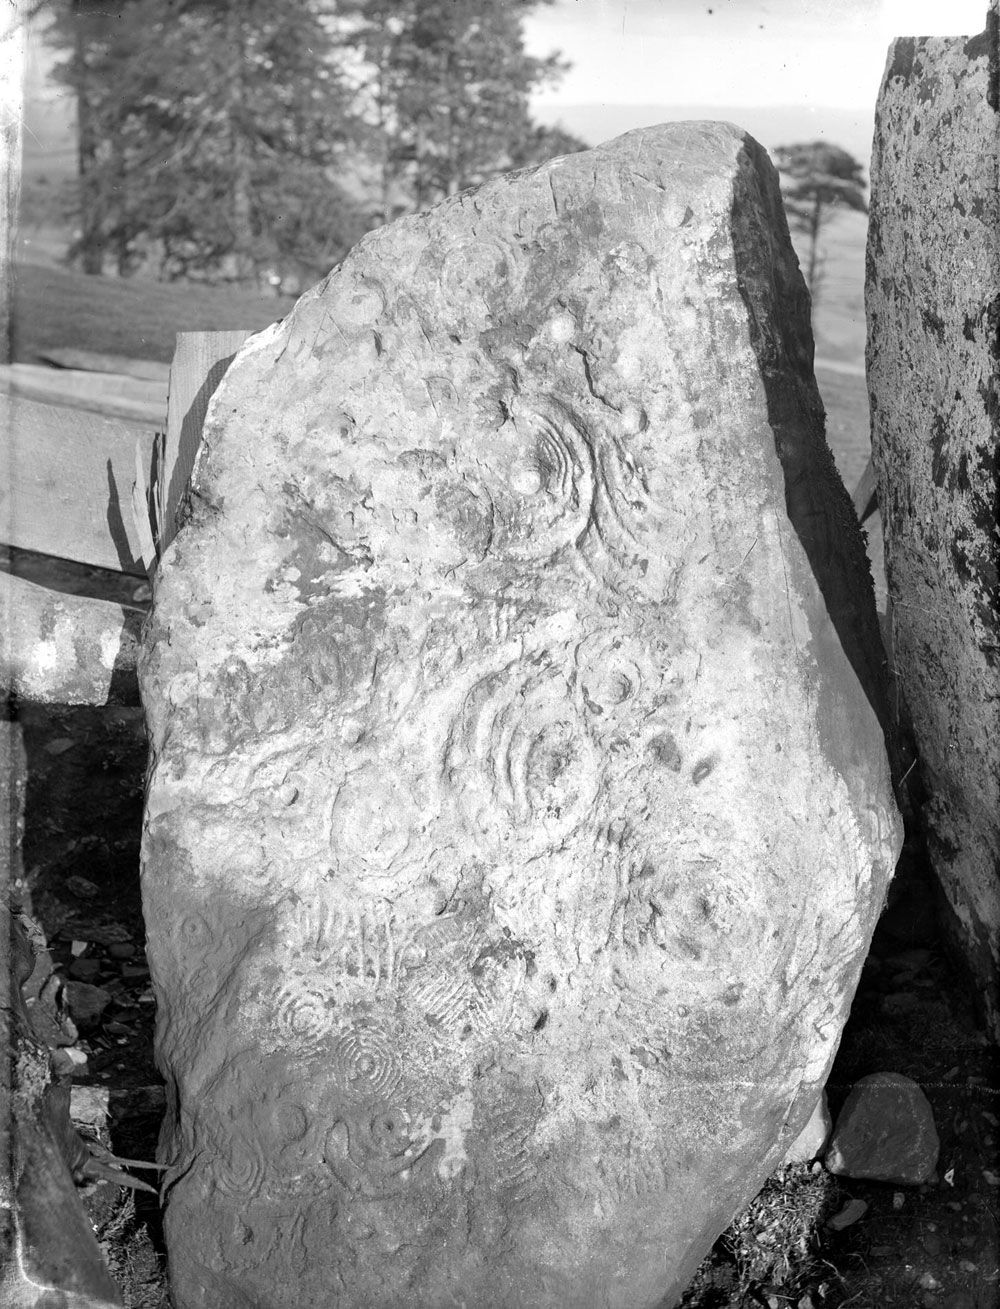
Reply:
x=555, y=202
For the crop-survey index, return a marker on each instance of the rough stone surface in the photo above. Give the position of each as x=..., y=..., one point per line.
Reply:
x=885, y=1132
x=517, y=821
x=933, y=302
x=810, y=1141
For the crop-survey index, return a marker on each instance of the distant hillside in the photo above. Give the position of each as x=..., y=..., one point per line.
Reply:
x=771, y=126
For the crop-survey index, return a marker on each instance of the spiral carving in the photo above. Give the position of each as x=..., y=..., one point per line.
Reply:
x=543, y=461
x=470, y=515
x=241, y=1170
x=364, y=1063
x=482, y=264
x=305, y=1017
x=519, y=759
x=610, y=674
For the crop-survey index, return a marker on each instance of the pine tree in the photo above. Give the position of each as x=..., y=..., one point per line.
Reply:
x=210, y=132
x=445, y=88
x=817, y=178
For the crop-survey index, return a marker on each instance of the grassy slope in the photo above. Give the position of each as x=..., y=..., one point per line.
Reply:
x=56, y=308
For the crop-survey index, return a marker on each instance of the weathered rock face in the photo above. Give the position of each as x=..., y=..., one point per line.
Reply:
x=933, y=301
x=518, y=822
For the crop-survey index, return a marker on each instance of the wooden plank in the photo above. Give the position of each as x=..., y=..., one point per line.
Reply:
x=77, y=382
x=200, y=363
x=92, y=362
x=66, y=480
x=66, y=649
x=61, y=392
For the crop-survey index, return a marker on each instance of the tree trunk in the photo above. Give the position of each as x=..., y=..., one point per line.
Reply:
x=240, y=199
x=90, y=245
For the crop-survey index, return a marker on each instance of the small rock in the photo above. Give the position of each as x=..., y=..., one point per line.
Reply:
x=851, y=1212
x=135, y=972
x=88, y=1106
x=84, y=969
x=82, y=887
x=59, y=746
x=85, y=1003
x=810, y=1141
x=898, y=1200
x=67, y=1060
x=931, y=1243
x=98, y=933
x=885, y=1132
x=121, y=950
x=77, y=948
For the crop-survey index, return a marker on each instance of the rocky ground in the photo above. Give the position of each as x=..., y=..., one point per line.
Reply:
x=929, y=1246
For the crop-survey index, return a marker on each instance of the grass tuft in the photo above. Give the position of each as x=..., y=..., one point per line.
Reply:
x=771, y=1249
x=132, y=1258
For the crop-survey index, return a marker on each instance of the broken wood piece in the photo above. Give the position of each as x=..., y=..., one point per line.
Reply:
x=199, y=365
x=66, y=483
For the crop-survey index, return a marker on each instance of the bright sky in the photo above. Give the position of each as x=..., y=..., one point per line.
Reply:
x=734, y=52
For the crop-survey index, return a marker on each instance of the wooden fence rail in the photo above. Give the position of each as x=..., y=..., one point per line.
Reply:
x=95, y=457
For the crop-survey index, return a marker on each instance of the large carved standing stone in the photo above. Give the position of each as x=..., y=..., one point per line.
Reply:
x=933, y=301
x=518, y=822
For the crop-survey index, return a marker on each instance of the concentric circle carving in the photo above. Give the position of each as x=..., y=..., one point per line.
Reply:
x=364, y=1063
x=304, y=1015
x=482, y=265
x=519, y=760
x=240, y=1169
x=610, y=674
x=543, y=464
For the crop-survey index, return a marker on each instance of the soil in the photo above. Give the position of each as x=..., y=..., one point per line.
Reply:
x=933, y=1246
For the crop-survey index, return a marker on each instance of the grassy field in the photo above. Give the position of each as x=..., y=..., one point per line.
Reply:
x=57, y=308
